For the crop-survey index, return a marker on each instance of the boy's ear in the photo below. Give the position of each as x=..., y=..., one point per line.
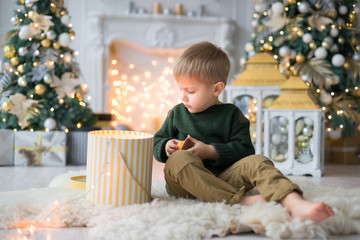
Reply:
x=218, y=88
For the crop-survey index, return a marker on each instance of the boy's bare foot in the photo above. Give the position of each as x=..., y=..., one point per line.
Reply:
x=306, y=210
x=251, y=200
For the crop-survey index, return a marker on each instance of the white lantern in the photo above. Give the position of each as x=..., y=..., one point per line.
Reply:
x=254, y=88
x=294, y=131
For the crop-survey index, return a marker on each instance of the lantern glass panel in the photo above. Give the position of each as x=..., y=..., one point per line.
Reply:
x=279, y=128
x=248, y=106
x=267, y=101
x=304, y=132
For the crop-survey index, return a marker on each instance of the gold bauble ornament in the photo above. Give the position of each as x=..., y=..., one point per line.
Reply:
x=14, y=61
x=46, y=43
x=353, y=17
x=261, y=49
x=325, y=45
x=56, y=45
x=40, y=89
x=312, y=45
x=42, y=35
x=9, y=51
x=346, y=65
x=35, y=64
x=79, y=95
x=341, y=40
x=290, y=2
x=72, y=34
x=48, y=79
x=20, y=69
x=266, y=46
x=300, y=33
x=300, y=58
x=317, y=6
x=22, y=1
x=357, y=48
x=6, y=106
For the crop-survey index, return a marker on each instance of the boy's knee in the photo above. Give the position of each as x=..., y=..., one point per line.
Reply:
x=257, y=159
x=178, y=160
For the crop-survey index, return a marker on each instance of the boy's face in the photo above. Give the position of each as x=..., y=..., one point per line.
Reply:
x=196, y=96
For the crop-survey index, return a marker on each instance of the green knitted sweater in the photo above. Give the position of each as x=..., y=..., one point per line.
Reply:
x=222, y=125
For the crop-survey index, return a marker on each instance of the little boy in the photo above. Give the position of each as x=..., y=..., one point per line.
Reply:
x=221, y=165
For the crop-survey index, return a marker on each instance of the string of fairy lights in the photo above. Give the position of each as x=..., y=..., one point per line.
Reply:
x=142, y=94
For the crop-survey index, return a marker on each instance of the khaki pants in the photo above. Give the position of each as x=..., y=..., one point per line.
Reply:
x=187, y=177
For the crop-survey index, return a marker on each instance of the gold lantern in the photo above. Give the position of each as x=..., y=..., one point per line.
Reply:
x=257, y=86
x=294, y=131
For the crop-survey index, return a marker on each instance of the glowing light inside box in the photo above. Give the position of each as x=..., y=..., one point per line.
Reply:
x=142, y=87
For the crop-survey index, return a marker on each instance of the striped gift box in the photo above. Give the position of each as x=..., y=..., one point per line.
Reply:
x=119, y=167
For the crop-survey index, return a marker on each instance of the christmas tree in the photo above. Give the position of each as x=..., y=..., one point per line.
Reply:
x=317, y=39
x=39, y=79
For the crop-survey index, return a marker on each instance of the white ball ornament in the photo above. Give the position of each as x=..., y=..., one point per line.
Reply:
x=249, y=47
x=254, y=23
x=22, y=82
x=276, y=138
x=24, y=32
x=325, y=98
x=50, y=35
x=50, y=123
x=282, y=121
x=13, y=20
x=308, y=121
x=304, y=7
x=334, y=32
x=252, y=53
x=335, y=134
x=66, y=19
x=329, y=40
x=284, y=51
x=22, y=51
x=356, y=57
x=65, y=39
x=343, y=10
x=320, y=53
x=307, y=38
x=305, y=78
x=277, y=8
x=338, y=60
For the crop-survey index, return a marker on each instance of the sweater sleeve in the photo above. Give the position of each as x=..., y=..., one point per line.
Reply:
x=166, y=133
x=239, y=145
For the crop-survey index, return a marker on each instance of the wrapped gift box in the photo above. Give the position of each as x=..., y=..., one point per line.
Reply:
x=39, y=148
x=7, y=146
x=77, y=145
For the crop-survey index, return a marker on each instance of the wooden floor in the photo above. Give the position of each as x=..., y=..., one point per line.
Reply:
x=22, y=178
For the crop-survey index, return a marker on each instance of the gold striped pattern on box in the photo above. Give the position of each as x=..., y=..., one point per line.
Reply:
x=119, y=167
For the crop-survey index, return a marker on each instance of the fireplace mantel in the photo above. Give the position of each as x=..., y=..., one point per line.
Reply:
x=150, y=31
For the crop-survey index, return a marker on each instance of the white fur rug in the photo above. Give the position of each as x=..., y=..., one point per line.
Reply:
x=169, y=218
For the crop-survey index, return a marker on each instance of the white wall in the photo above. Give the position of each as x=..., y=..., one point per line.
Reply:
x=239, y=11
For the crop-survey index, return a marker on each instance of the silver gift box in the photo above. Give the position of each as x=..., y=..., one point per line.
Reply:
x=6, y=147
x=39, y=148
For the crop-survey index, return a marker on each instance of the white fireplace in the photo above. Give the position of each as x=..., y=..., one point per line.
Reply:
x=129, y=62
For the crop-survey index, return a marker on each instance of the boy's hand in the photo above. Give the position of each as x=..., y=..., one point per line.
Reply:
x=171, y=146
x=202, y=150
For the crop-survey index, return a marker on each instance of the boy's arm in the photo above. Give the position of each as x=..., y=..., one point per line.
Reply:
x=239, y=146
x=166, y=133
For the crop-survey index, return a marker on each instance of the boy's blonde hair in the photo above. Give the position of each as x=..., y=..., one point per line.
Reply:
x=203, y=61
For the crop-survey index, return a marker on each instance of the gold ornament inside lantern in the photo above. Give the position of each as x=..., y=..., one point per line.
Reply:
x=14, y=61
x=6, y=106
x=40, y=89
x=9, y=51
x=46, y=43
